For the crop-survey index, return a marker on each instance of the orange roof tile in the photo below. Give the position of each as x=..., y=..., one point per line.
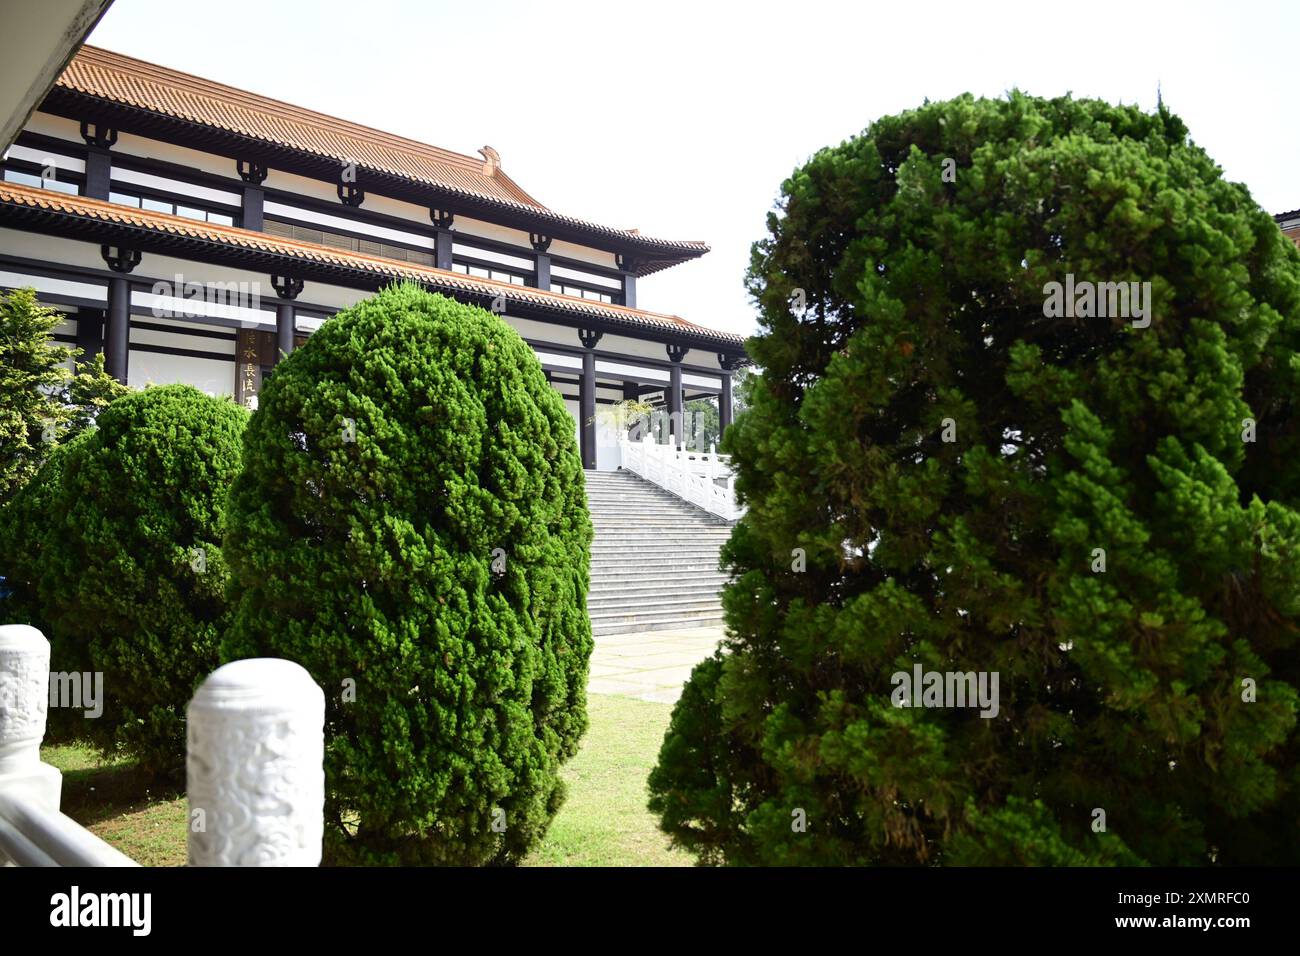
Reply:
x=83, y=207
x=126, y=81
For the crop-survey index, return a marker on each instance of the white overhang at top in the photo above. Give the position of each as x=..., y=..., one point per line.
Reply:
x=38, y=40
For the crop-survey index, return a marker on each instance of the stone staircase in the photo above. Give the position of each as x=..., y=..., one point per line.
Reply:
x=654, y=559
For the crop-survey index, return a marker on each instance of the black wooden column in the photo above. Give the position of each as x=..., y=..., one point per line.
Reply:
x=252, y=206
x=676, y=427
x=90, y=333
x=631, y=391
x=724, y=405
x=627, y=265
x=540, y=246
x=117, y=337
x=99, y=161
x=587, y=398
x=287, y=289
x=442, y=237
x=728, y=364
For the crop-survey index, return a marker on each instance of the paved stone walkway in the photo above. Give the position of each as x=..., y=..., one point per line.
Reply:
x=649, y=665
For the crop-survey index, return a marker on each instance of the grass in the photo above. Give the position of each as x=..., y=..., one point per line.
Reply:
x=604, y=821
x=110, y=797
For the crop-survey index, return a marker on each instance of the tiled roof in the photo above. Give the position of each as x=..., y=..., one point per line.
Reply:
x=126, y=81
x=16, y=196
x=1285, y=216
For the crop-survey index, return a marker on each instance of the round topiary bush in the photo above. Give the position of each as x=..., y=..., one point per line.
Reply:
x=24, y=522
x=947, y=468
x=121, y=539
x=27, y=567
x=411, y=527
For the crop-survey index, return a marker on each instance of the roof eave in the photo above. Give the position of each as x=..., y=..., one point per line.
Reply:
x=578, y=314
x=648, y=255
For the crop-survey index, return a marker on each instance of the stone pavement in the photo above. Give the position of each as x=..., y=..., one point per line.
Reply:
x=649, y=665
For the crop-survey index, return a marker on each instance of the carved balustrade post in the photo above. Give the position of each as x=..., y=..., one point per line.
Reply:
x=24, y=705
x=255, y=766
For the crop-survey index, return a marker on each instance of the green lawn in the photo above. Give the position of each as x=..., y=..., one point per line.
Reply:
x=114, y=801
x=604, y=822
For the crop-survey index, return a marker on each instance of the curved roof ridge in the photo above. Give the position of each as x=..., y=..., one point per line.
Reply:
x=239, y=99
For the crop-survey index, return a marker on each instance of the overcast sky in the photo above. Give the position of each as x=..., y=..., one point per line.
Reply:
x=682, y=118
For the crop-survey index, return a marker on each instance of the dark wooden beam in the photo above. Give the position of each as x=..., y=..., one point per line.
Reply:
x=442, y=249
x=254, y=197
x=287, y=289
x=626, y=265
x=724, y=405
x=587, y=410
x=90, y=333
x=117, y=336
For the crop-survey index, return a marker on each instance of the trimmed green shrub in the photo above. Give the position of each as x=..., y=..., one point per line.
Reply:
x=411, y=527
x=115, y=549
x=943, y=469
x=25, y=563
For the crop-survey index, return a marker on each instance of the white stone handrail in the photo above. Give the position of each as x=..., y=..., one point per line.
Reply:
x=705, y=480
x=254, y=766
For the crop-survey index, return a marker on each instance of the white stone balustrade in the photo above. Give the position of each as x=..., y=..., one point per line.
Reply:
x=255, y=766
x=32, y=830
x=693, y=476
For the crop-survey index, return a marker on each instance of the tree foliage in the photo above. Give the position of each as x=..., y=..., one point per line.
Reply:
x=411, y=527
x=1075, y=504
x=42, y=402
x=114, y=549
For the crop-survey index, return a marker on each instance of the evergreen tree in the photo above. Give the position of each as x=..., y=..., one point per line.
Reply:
x=114, y=550
x=943, y=467
x=411, y=527
x=41, y=401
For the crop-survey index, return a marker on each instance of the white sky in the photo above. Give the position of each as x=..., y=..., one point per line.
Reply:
x=682, y=118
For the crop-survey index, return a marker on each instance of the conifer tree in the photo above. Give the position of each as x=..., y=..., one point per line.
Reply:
x=42, y=401
x=411, y=527
x=942, y=467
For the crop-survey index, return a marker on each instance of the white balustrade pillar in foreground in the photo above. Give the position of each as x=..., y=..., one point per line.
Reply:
x=255, y=766
x=24, y=705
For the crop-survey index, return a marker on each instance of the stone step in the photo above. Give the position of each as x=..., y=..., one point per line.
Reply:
x=674, y=539
x=682, y=521
x=675, y=506
x=609, y=574
x=646, y=551
x=682, y=526
x=652, y=591
x=654, y=559
x=678, y=608
x=641, y=541
x=707, y=537
x=654, y=547
x=670, y=622
x=659, y=517
x=615, y=560
x=663, y=507
x=661, y=584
